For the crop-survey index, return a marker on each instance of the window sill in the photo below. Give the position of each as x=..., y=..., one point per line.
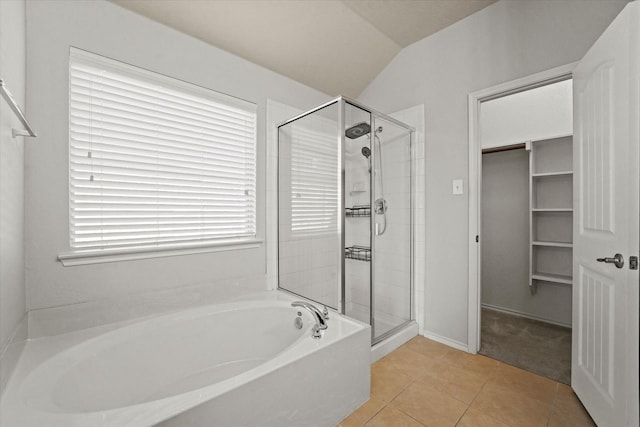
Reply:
x=71, y=259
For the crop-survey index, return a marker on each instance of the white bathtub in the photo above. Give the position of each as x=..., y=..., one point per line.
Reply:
x=235, y=364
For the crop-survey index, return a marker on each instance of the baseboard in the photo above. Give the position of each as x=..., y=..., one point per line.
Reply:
x=446, y=341
x=525, y=315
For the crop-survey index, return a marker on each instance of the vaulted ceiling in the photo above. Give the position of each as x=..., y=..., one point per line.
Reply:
x=334, y=46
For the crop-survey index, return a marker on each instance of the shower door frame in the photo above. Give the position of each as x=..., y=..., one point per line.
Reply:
x=374, y=114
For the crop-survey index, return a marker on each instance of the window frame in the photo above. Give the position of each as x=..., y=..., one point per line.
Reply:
x=79, y=256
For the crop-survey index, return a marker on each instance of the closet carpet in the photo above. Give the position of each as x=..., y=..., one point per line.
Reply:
x=538, y=347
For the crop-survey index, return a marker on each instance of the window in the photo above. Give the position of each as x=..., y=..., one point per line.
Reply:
x=155, y=162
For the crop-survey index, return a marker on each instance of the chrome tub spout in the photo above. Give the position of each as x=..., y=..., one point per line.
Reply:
x=318, y=315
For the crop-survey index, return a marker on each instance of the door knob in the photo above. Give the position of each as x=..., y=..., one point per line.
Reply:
x=617, y=260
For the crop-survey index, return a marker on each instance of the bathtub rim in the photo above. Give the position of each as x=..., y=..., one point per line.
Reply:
x=119, y=336
x=39, y=351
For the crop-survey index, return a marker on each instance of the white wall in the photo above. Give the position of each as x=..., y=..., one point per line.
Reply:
x=505, y=41
x=540, y=113
x=12, y=284
x=107, y=29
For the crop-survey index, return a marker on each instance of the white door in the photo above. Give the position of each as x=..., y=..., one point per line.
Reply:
x=606, y=160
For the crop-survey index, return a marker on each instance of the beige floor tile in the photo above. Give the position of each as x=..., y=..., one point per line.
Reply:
x=387, y=381
x=522, y=382
x=560, y=419
x=364, y=413
x=390, y=417
x=511, y=407
x=478, y=419
x=476, y=363
x=568, y=409
x=426, y=383
x=427, y=347
x=411, y=363
x=459, y=383
x=429, y=406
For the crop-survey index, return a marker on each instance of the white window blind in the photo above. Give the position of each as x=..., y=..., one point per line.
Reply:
x=314, y=180
x=156, y=162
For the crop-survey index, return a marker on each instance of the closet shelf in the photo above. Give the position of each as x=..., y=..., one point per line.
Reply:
x=546, y=174
x=554, y=244
x=360, y=253
x=551, y=210
x=555, y=278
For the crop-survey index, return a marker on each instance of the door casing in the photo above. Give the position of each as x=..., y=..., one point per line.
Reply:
x=475, y=181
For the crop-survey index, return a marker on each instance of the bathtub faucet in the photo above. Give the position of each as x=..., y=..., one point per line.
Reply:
x=321, y=322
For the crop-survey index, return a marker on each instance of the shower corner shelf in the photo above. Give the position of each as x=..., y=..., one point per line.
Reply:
x=360, y=253
x=358, y=211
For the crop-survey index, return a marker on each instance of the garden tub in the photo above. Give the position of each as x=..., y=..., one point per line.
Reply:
x=236, y=364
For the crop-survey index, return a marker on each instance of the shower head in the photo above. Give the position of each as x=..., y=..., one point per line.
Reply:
x=366, y=152
x=358, y=130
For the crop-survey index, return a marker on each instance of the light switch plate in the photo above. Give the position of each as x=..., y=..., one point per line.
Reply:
x=458, y=187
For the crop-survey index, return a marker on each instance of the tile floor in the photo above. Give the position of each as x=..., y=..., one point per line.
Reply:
x=425, y=383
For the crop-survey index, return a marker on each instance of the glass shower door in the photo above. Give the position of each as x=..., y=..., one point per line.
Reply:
x=357, y=222
x=391, y=227
x=309, y=221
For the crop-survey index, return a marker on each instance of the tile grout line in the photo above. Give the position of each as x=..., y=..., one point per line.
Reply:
x=476, y=396
x=374, y=415
x=468, y=405
x=396, y=396
x=387, y=404
x=553, y=402
x=414, y=419
x=413, y=381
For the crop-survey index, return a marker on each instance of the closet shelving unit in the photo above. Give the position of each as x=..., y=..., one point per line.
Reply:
x=550, y=211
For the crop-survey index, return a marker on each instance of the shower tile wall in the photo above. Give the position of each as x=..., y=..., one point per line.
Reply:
x=392, y=256
x=393, y=249
x=414, y=116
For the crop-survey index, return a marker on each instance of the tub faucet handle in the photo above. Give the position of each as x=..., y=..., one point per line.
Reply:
x=315, y=332
x=325, y=313
x=321, y=323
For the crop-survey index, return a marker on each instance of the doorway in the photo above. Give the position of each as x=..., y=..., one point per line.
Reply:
x=524, y=211
x=526, y=227
x=606, y=104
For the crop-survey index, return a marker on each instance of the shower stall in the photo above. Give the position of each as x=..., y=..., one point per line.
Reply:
x=345, y=226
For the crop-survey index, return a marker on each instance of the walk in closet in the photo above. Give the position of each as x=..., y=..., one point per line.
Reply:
x=526, y=229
